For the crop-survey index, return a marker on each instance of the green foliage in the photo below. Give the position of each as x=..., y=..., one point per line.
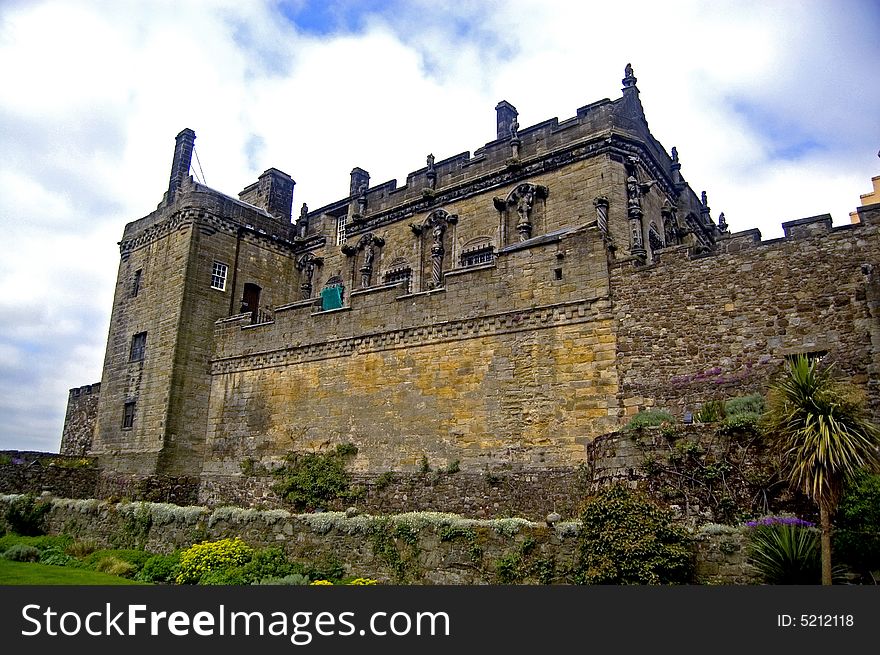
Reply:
x=786, y=553
x=137, y=519
x=649, y=418
x=122, y=562
x=160, y=569
x=5, y=458
x=199, y=560
x=384, y=535
x=712, y=411
x=27, y=516
x=753, y=404
x=820, y=430
x=115, y=566
x=41, y=543
x=57, y=557
x=268, y=563
x=68, y=463
x=82, y=547
x=453, y=466
x=385, y=479
x=22, y=553
x=311, y=480
x=292, y=579
x=857, y=537
x=627, y=539
x=741, y=423
x=523, y=563
x=424, y=467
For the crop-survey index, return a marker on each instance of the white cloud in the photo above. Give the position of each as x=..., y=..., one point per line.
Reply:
x=771, y=105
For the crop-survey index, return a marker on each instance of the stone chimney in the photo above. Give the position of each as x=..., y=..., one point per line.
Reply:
x=183, y=150
x=359, y=178
x=505, y=113
x=273, y=191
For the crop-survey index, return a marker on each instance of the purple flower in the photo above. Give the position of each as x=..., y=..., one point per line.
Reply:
x=780, y=520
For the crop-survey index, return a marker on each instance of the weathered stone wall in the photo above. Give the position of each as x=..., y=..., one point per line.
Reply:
x=690, y=330
x=408, y=548
x=23, y=472
x=505, y=365
x=79, y=421
x=531, y=494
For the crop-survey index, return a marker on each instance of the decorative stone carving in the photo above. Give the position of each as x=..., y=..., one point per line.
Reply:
x=362, y=200
x=431, y=174
x=671, y=229
x=629, y=80
x=366, y=245
x=437, y=222
x=306, y=265
x=302, y=225
x=522, y=200
x=722, y=223
x=634, y=190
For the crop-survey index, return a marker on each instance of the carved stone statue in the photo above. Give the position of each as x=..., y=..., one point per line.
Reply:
x=302, y=225
x=514, y=128
x=674, y=155
x=430, y=162
x=524, y=209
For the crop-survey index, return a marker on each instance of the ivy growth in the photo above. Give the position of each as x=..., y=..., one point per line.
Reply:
x=312, y=480
x=627, y=539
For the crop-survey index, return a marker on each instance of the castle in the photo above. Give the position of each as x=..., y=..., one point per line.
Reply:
x=499, y=309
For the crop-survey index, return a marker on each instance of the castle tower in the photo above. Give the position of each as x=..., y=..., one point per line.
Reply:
x=199, y=257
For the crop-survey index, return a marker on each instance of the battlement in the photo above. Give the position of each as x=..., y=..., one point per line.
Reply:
x=85, y=390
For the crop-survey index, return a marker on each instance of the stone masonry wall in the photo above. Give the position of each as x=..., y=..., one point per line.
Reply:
x=430, y=549
x=691, y=330
x=23, y=472
x=79, y=421
x=506, y=365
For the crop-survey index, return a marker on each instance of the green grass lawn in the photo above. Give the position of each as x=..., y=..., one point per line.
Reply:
x=26, y=573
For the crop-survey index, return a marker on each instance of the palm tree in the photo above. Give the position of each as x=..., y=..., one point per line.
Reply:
x=819, y=430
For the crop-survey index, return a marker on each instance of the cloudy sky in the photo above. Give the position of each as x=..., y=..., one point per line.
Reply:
x=773, y=106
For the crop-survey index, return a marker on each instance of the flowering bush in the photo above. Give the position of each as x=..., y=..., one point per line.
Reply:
x=363, y=581
x=785, y=550
x=317, y=583
x=211, y=557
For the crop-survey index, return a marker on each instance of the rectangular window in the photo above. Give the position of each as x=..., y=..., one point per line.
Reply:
x=399, y=275
x=482, y=255
x=138, y=346
x=136, y=283
x=218, y=276
x=128, y=415
x=340, y=229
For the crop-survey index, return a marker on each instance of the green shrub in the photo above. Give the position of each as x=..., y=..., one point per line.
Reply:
x=311, y=480
x=627, y=539
x=742, y=423
x=649, y=418
x=268, y=563
x=857, y=524
x=211, y=557
x=292, y=579
x=136, y=558
x=785, y=550
x=753, y=404
x=712, y=411
x=22, y=553
x=115, y=566
x=159, y=569
x=385, y=479
x=57, y=557
x=27, y=516
x=224, y=578
x=82, y=548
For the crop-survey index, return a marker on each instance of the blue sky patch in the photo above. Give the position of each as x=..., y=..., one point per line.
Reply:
x=786, y=140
